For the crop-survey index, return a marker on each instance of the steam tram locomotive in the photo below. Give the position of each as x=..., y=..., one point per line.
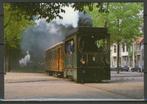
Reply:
x=84, y=56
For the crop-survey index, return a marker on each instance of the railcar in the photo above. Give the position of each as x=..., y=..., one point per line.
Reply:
x=85, y=54
x=55, y=60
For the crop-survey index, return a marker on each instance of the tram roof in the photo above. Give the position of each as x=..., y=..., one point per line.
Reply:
x=54, y=45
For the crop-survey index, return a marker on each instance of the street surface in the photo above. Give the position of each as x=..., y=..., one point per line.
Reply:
x=126, y=85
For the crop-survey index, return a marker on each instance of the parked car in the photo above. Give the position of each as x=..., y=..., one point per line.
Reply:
x=114, y=69
x=143, y=70
x=125, y=68
x=136, y=69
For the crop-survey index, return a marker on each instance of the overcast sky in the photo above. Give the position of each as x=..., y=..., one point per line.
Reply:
x=70, y=17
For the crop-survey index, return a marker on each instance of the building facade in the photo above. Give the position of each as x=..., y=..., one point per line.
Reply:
x=130, y=55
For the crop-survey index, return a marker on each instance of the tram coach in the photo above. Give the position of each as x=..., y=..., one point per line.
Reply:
x=55, y=60
x=84, y=55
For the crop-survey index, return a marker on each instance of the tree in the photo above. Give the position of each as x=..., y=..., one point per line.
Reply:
x=12, y=30
x=20, y=15
x=49, y=11
x=124, y=23
x=98, y=14
x=122, y=20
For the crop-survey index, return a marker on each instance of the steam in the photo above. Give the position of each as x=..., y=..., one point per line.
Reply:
x=84, y=20
x=25, y=61
x=38, y=38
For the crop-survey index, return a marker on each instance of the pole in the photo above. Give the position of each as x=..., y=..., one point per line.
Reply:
x=133, y=58
x=1, y=52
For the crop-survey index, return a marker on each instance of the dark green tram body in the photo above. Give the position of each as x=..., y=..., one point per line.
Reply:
x=87, y=55
x=84, y=56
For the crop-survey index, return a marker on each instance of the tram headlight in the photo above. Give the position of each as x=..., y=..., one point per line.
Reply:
x=82, y=60
x=93, y=59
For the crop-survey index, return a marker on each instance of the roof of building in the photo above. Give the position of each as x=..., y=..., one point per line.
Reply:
x=139, y=40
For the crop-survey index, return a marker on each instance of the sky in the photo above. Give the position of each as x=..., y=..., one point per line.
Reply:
x=70, y=17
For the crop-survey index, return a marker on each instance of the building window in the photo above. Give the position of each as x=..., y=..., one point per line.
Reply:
x=127, y=48
x=114, y=48
x=123, y=47
x=125, y=60
x=138, y=46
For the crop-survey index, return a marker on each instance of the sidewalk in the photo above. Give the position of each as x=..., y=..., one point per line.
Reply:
x=13, y=77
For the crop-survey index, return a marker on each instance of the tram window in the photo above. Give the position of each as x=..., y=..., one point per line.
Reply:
x=69, y=49
x=100, y=43
x=91, y=44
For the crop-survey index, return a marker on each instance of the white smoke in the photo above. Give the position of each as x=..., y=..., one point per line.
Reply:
x=38, y=38
x=25, y=61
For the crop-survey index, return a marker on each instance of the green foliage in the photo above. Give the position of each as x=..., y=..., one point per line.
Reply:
x=19, y=15
x=42, y=10
x=122, y=19
x=98, y=16
x=13, y=26
x=49, y=10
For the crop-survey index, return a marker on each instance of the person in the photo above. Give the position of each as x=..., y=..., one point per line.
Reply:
x=71, y=47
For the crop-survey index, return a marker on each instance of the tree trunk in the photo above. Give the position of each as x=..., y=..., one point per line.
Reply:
x=118, y=55
x=133, y=56
x=8, y=59
x=118, y=47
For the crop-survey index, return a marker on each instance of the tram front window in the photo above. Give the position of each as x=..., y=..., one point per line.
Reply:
x=69, y=47
x=91, y=44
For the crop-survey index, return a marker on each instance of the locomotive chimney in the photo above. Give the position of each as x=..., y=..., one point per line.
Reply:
x=84, y=20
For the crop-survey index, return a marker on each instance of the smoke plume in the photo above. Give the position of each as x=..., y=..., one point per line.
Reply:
x=38, y=38
x=84, y=20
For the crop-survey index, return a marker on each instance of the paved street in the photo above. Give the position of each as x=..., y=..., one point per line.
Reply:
x=126, y=85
